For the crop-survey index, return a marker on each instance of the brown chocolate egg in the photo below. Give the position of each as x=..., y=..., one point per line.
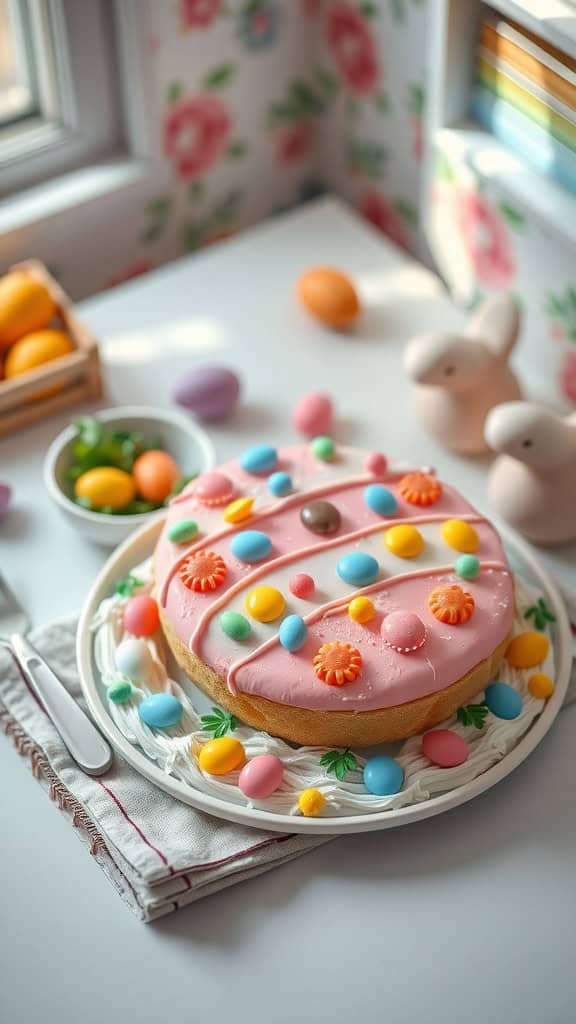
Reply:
x=320, y=517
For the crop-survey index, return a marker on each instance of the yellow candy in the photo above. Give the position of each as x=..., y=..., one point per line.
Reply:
x=361, y=609
x=311, y=802
x=541, y=686
x=527, y=650
x=265, y=604
x=106, y=485
x=218, y=757
x=460, y=536
x=404, y=541
x=239, y=510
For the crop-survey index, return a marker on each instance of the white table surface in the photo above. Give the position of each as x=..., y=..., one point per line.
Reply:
x=470, y=917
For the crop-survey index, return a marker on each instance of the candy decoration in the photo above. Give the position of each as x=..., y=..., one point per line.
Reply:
x=5, y=495
x=292, y=633
x=260, y=459
x=133, y=659
x=183, y=531
x=220, y=756
x=251, y=546
x=214, y=488
x=235, y=625
x=403, y=631
x=444, y=748
x=239, y=510
x=265, y=604
x=311, y=803
x=380, y=500
x=540, y=686
x=451, y=604
x=323, y=448
x=361, y=609
x=261, y=776
x=280, y=484
x=527, y=650
x=210, y=392
x=313, y=415
x=160, y=710
x=141, y=617
x=404, y=541
x=357, y=568
x=203, y=571
x=420, y=489
x=468, y=567
x=461, y=536
x=376, y=463
x=320, y=517
x=383, y=776
x=503, y=700
x=120, y=691
x=337, y=664
x=302, y=585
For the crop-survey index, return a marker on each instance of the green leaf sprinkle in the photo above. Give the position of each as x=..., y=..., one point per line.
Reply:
x=540, y=613
x=339, y=762
x=472, y=714
x=127, y=585
x=219, y=723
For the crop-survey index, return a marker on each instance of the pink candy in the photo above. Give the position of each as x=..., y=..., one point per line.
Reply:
x=403, y=631
x=376, y=463
x=5, y=495
x=214, y=488
x=444, y=748
x=261, y=776
x=302, y=585
x=313, y=416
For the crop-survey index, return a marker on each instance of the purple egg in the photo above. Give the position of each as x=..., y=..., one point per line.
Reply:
x=210, y=392
x=5, y=495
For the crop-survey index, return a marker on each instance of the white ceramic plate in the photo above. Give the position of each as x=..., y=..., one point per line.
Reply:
x=141, y=545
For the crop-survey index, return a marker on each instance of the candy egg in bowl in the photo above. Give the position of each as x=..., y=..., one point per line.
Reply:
x=109, y=473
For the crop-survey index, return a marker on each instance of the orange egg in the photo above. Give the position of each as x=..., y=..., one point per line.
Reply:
x=155, y=474
x=34, y=350
x=330, y=296
x=25, y=305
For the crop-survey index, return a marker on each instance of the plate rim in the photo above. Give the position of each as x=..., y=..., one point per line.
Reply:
x=350, y=824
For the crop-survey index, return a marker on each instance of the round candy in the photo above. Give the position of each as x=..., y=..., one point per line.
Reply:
x=451, y=604
x=357, y=568
x=467, y=567
x=203, y=571
x=461, y=536
x=265, y=604
x=260, y=459
x=210, y=392
x=183, y=531
x=540, y=686
x=361, y=609
x=251, y=546
x=280, y=484
x=235, y=625
x=503, y=701
x=403, y=631
x=383, y=776
x=133, y=659
x=214, y=488
x=302, y=585
x=292, y=632
x=376, y=463
x=527, y=650
x=404, y=541
x=220, y=756
x=420, y=489
x=105, y=486
x=313, y=415
x=444, y=748
x=311, y=803
x=323, y=448
x=141, y=617
x=160, y=710
x=155, y=473
x=239, y=510
x=320, y=517
x=380, y=500
x=337, y=664
x=120, y=691
x=5, y=495
x=261, y=776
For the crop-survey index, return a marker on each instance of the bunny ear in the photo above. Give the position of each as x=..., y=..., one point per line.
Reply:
x=497, y=324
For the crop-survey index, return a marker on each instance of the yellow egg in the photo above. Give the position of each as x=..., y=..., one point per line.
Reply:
x=330, y=296
x=218, y=757
x=404, y=541
x=527, y=650
x=34, y=350
x=461, y=536
x=361, y=609
x=541, y=686
x=311, y=802
x=25, y=305
x=106, y=486
x=265, y=604
x=239, y=510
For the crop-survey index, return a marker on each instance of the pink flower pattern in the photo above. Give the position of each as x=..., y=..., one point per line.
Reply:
x=486, y=239
x=198, y=13
x=293, y=143
x=354, y=49
x=567, y=376
x=196, y=133
x=376, y=209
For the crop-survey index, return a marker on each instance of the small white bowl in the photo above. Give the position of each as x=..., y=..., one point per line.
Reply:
x=180, y=437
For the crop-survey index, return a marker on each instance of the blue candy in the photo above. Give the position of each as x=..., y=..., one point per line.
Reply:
x=260, y=459
x=292, y=633
x=160, y=710
x=251, y=546
x=380, y=500
x=503, y=701
x=357, y=569
x=280, y=484
x=383, y=776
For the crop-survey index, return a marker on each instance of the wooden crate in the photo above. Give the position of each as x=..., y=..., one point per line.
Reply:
x=77, y=373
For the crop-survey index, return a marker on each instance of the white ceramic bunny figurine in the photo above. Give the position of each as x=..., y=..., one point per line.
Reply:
x=533, y=482
x=459, y=378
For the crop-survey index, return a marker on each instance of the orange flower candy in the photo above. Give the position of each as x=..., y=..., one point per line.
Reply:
x=449, y=603
x=203, y=571
x=336, y=663
x=420, y=488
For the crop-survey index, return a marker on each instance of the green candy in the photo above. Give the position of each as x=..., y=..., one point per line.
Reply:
x=120, y=691
x=468, y=567
x=183, y=531
x=323, y=448
x=235, y=625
